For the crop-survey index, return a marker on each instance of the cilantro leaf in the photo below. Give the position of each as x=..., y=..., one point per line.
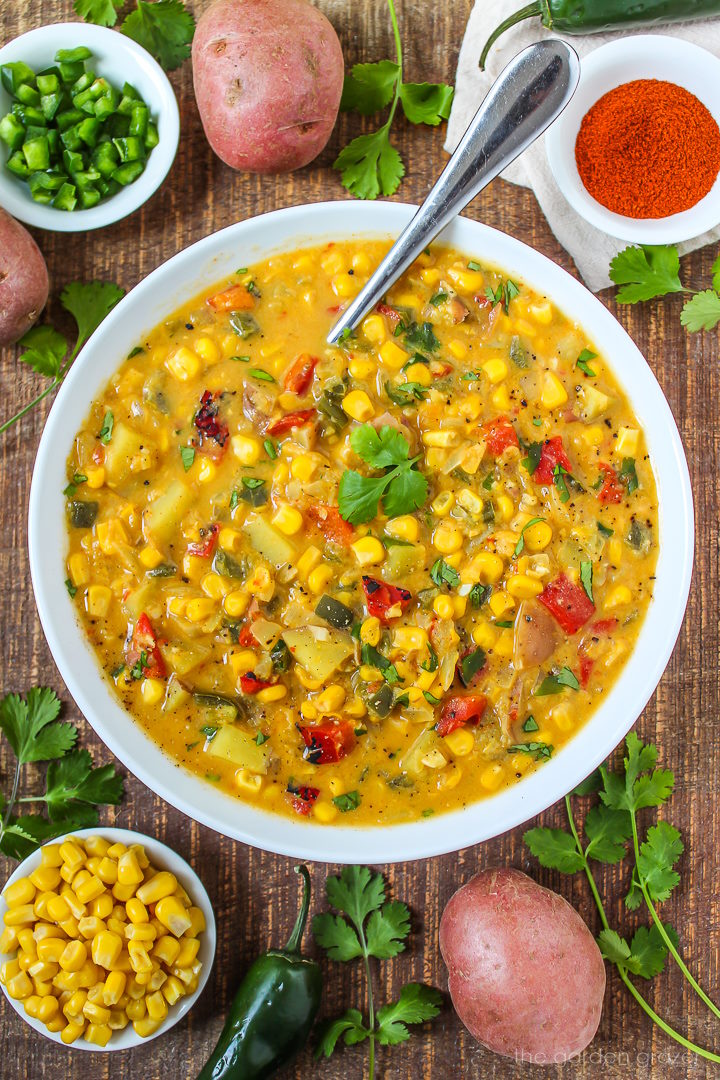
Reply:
x=45, y=350
x=658, y=855
x=387, y=930
x=370, y=165
x=582, y=362
x=380, y=449
x=444, y=574
x=645, y=272
x=22, y=835
x=359, y=496
x=701, y=311
x=416, y=1004
x=30, y=726
x=426, y=103
x=556, y=682
x=336, y=936
x=586, y=578
x=401, y=490
x=555, y=849
x=521, y=542
x=356, y=892
x=607, y=830
x=407, y=492
x=590, y=784
x=613, y=947
x=369, y=87
x=165, y=28
x=648, y=951
x=100, y=12
x=349, y=1026
x=89, y=304
x=716, y=274
x=72, y=780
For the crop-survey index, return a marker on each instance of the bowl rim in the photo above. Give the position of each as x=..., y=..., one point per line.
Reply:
x=167, y=859
x=104, y=42
x=290, y=229
x=658, y=50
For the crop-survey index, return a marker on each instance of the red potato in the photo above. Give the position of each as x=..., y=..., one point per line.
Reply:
x=525, y=975
x=23, y=280
x=268, y=75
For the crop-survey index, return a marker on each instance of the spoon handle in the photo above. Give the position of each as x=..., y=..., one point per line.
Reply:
x=523, y=101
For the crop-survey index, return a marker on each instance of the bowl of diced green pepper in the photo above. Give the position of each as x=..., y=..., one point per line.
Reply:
x=89, y=127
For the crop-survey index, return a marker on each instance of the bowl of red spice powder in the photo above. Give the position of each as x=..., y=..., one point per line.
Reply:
x=637, y=150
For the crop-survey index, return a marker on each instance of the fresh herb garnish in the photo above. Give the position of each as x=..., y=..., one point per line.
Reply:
x=370, y=165
x=504, y=624
x=261, y=738
x=431, y=698
x=369, y=926
x=209, y=731
x=586, y=578
x=400, y=490
x=607, y=828
x=252, y=482
x=373, y=658
x=241, y=359
x=646, y=272
x=72, y=589
x=628, y=475
x=534, y=453
x=559, y=474
x=187, y=456
x=604, y=530
x=531, y=724
x=443, y=574
x=165, y=28
x=431, y=664
x=537, y=750
x=480, y=594
x=349, y=801
x=105, y=433
x=234, y=498
x=439, y=298
x=473, y=265
x=73, y=787
x=270, y=449
x=405, y=394
x=521, y=541
x=582, y=362
x=77, y=480
x=261, y=374
x=503, y=293
x=421, y=336
x=556, y=683
x=471, y=665
x=46, y=349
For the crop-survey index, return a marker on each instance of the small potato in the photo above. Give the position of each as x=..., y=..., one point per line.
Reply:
x=268, y=75
x=23, y=280
x=525, y=975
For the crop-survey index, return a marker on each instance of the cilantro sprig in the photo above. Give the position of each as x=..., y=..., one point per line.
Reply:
x=646, y=272
x=611, y=833
x=165, y=28
x=370, y=165
x=400, y=489
x=46, y=349
x=73, y=787
x=369, y=926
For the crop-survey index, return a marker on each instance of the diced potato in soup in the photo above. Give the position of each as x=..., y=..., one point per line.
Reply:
x=368, y=583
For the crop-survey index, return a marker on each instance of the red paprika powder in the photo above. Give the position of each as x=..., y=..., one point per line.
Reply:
x=648, y=149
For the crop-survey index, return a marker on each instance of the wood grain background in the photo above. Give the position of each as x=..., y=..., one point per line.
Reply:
x=255, y=894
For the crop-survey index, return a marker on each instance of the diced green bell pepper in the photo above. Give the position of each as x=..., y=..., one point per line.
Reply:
x=66, y=198
x=128, y=172
x=37, y=153
x=12, y=132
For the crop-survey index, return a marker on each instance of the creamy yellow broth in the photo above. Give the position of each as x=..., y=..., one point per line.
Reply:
x=248, y=627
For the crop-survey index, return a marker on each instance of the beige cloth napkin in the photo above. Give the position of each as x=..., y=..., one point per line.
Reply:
x=590, y=248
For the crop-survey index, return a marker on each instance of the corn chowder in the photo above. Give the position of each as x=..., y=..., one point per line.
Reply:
x=365, y=583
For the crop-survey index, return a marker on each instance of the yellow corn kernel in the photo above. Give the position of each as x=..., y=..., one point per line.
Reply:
x=183, y=364
x=306, y=680
x=627, y=443
x=361, y=262
x=90, y=926
x=331, y=699
x=271, y=693
x=499, y=603
x=392, y=355
x=48, y=1012
x=98, y=1034
x=8, y=940
x=207, y=471
x=471, y=406
x=500, y=398
x=541, y=313
x=308, y=561
x=457, y=348
x=358, y=405
x=74, y=956
x=614, y=551
x=469, y=281
x=152, y=690
x=303, y=468
x=487, y=567
x=199, y=609
x=171, y=913
x=79, y=569
x=248, y=781
x=443, y=503
x=172, y=990
x=368, y=551
x=106, y=948
x=447, y=538
x=361, y=368
x=287, y=519
x=236, y=603
x=139, y=959
x=355, y=708
x=145, y=1027
x=108, y=870
x=618, y=597
x=95, y=1013
x=430, y=276
x=537, y=536
x=410, y=638
x=102, y=906
x=460, y=742
x=118, y=1020
x=50, y=950
x=593, y=435
x=72, y=1031
x=8, y=970
x=95, y=476
x=470, y=501
x=166, y=950
x=484, y=635
x=246, y=449
x=50, y=855
x=370, y=631
x=496, y=370
x=206, y=348
x=243, y=661
x=98, y=600
x=419, y=373
x=440, y=439
x=343, y=285
x=523, y=587
x=198, y=921
x=443, y=607
x=504, y=644
x=129, y=870
x=189, y=948
x=403, y=528
x=553, y=393
x=213, y=586
x=19, y=986
x=505, y=508
x=156, y=1005
x=58, y=909
x=261, y=583
x=321, y=576
x=324, y=812
x=373, y=327
x=150, y=557
x=22, y=892
x=492, y=776
x=162, y=884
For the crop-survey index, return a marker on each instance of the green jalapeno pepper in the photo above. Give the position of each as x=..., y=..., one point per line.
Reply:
x=595, y=16
x=272, y=1013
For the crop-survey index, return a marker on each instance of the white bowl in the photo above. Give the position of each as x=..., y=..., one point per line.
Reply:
x=644, y=56
x=161, y=293
x=164, y=858
x=119, y=59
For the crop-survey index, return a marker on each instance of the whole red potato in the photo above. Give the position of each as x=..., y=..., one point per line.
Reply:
x=23, y=280
x=268, y=75
x=525, y=974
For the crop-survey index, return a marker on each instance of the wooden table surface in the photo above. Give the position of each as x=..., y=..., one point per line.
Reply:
x=255, y=894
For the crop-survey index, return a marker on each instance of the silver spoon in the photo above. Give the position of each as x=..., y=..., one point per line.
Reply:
x=523, y=101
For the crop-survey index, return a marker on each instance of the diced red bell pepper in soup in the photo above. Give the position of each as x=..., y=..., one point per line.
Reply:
x=552, y=454
x=459, y=711
x=327, y=743
x=384, y=601
x=568, y=603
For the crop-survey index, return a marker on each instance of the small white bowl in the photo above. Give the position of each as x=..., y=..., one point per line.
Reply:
x=164, y=858
x=644, y=56
x=119, y=59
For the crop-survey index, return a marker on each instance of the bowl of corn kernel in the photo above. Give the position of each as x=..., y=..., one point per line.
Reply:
x=107, y=941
